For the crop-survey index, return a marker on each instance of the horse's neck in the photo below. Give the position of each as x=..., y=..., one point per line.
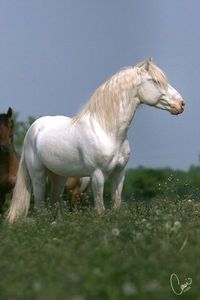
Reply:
x=127, y=110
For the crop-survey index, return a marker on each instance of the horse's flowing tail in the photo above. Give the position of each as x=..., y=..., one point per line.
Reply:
x=22, y=192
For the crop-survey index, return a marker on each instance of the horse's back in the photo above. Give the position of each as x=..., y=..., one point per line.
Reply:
x=44, y=124
x=48, y=122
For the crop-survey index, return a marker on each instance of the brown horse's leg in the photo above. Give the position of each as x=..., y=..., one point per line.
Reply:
x=72, y=188
x=85, y=198
x=2, y=201
x=75, y=196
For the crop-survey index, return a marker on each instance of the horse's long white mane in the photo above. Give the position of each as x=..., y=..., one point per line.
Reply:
x=104, y=104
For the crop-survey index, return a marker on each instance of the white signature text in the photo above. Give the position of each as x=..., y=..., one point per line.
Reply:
x=177, y=287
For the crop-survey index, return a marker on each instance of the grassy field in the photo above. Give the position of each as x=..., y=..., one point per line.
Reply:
x=125, y=254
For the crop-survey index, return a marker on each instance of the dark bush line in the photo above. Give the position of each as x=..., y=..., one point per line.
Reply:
x=146, y=183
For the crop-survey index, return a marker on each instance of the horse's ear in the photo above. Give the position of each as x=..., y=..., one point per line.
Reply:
x=9, y=112
x=148, y=62
x=146, y=65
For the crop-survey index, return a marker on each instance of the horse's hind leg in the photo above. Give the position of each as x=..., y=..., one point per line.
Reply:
x=39, y=184
x=57, y=189
x=37, y=174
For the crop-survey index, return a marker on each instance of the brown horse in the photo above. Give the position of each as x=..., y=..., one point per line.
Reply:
x=8, y=158
x=77, y=189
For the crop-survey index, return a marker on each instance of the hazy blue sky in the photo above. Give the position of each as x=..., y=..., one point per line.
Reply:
x=54, y=54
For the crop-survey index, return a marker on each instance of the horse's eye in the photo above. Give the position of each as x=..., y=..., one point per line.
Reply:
x=155, y=81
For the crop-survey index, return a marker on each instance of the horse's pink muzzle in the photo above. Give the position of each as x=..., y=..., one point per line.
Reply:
x=178, y=107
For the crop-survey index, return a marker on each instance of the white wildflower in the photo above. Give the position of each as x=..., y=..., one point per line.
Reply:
x=96, y=271
x=152, y=286
x=158, y=212
x=139, y=236
x=149, y=226
x=37, y=285
x=168, y=225
x=129, y=289
x=53, y=223
x=56, y=240
x=177, y=225
x=115, y=231
x=104, y=240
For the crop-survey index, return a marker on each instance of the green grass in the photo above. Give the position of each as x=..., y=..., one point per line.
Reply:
x=125, y=254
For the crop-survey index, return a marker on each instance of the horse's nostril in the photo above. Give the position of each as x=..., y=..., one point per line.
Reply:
x=183, y=103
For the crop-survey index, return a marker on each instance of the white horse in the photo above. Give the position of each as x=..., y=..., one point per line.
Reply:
x=93, y=143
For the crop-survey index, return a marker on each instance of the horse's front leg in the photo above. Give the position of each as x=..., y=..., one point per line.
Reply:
x=116, y=186
x=98, y=187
